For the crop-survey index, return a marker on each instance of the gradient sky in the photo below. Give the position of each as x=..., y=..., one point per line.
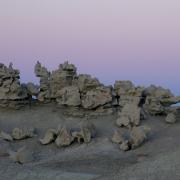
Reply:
x=137, y=40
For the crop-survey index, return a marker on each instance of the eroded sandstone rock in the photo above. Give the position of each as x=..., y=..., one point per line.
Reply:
x=157, y=99
x=129, y=116
x=23, y=133
x=69, y=96
x=97, y=97
x=49, y=137
x=64, y=137
x=12, y=93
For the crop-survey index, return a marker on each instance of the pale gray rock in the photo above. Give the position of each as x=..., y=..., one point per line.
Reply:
x=86, y=83
x=171, y=118
x=157, y=99
x=127, y=93
x=130, y=115
x=49, y=137
x=138, y=135
x=69, y=96
x=64, y=137
x=97, y=97
x=23, y=133
x=12, y=92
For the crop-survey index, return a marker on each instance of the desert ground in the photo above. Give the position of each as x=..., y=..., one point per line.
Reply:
x=156, y=159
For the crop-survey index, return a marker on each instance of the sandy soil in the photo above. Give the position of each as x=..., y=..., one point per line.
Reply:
x=157, y=159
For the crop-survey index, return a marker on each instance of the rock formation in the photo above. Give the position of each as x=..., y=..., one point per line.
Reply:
x=12, y=93
x=131, y=139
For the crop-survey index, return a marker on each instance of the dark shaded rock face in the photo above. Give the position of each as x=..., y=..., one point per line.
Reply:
x=65, y=87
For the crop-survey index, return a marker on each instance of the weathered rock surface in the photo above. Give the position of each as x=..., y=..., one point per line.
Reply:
x=171, y=118
x=12, y=93
x=129, y=116
x=97, y=97
x=69, y=96
x=64, y=137
x=127, y=93
x=138, y=135
x=23, y=133
x=157, y=99
x=49, y=137
x=131, y=139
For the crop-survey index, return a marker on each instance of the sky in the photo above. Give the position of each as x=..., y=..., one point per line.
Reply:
x=137, y=40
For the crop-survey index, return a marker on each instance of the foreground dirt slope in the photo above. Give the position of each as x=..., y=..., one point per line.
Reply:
x=159, y=158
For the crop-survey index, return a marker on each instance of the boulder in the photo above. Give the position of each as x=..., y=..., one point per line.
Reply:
x=19, y=134
x=64, y=137
x=138, y=135
x=49, y=137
